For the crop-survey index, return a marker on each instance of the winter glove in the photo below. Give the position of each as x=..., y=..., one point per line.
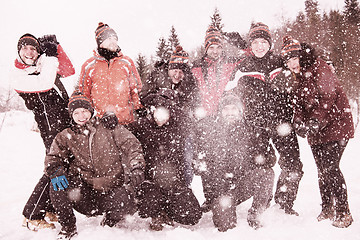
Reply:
x=137, y=176
x=301, y=129
x=235, y=39
x=48, y=45
x=109, y=120
x=60, y=182
x=313, y=126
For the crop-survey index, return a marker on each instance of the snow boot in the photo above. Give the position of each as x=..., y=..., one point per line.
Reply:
x=343, y=221
x=206, y=206
x=35, y=225
x=66, y=235
x=253, y=220
x=51, y=216
x=158, y=223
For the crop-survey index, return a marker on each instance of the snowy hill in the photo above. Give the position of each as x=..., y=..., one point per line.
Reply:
x=22, y=154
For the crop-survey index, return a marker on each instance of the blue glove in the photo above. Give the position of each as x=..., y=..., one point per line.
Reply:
x=60, y=182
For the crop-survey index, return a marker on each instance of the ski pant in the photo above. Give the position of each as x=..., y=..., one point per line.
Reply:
x=331, y=180
x=116, y=203
x=178, y=203
x=39, y=202
x=291, y=169
x=256, y=183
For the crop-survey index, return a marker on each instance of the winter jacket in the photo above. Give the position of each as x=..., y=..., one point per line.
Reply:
x=186, y=90
x=111, y=85
x=212, y=77
x=43, y=92
x=254, y=87
x=320, y=97
x=93, y=151
x=163, y=145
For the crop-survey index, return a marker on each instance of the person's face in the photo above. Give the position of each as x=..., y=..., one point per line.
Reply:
x=81, y=115
x=294, y=64
x=110, y=43
x=260, y=47
x=231, y=113
x=214, y=51
x=176, y=75
x=28, y=54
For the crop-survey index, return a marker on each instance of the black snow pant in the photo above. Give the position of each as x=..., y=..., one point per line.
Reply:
x=331, y=180
x=257, y=183
x=178, y=203
x=115, y=203
x=39, y=202
x=291, y=169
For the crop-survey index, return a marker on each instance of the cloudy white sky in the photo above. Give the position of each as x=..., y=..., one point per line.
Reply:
x=138, y=23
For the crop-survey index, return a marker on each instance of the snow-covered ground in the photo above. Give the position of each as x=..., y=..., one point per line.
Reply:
x=22, y=155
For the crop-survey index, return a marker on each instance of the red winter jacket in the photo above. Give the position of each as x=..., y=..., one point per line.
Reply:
x=112, y=86
x=212, y=77
x=321, y=97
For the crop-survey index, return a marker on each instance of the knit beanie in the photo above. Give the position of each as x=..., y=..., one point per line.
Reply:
x=213, y=36
x=259, y=30
x=79, y=100
x=179, y=59
x=103, y=32
x=28, y=39
x=290, y=48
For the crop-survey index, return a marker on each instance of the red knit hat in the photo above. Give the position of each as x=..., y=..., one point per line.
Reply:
x=290, y=48
x=103, y=32
x=213, y=36
x=179, y=59
x=259, y=30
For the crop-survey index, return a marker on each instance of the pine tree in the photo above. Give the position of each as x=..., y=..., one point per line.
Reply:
x=352, y=12
x=164, y=50
x=216, y=20
x=173, y=39
x=142, y=67
x=312, y=27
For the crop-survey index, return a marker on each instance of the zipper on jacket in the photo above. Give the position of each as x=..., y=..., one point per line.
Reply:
x=46, y=116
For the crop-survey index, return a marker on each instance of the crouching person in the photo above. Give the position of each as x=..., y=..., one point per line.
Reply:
x=89, y=166
x=231, y=166
x=164, y=196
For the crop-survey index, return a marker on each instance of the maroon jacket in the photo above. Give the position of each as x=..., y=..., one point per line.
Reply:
x=321, y=97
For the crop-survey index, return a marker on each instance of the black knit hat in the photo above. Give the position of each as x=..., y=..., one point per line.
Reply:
x=103, y=32
x=290, y=48
x=179, y=59
x=259, y=30
x=79, y=100
x=28, y=39
x=213, y=36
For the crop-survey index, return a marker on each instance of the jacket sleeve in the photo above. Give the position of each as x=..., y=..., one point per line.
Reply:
x=66, y=68
x=57, y=159
x=85, y=82
x=130, y=148
x=135, y=85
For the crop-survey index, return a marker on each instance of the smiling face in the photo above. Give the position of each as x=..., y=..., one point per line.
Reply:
x=176, y=75
x=81, y=115
x=294, y=64
x=260, y=47
x=28, y=54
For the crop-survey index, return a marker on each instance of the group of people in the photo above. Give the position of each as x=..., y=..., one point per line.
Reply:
x=120, y=144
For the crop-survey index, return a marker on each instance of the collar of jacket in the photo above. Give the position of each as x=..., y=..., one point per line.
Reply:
x=101, y=58
x=92, y=124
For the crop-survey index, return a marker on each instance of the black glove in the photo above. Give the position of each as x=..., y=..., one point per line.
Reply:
x=137, y=176
x=109, y=120
x=301, y=129
x=313, y=126
x=235, y=39
x=48, y=45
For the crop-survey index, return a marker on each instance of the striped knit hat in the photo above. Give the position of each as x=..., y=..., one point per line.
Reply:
x=103, y=32
x=179, y=59
x=28, y=39
x=79, y=100
x=213, y=36
x=290, y=48
x=259, y=30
